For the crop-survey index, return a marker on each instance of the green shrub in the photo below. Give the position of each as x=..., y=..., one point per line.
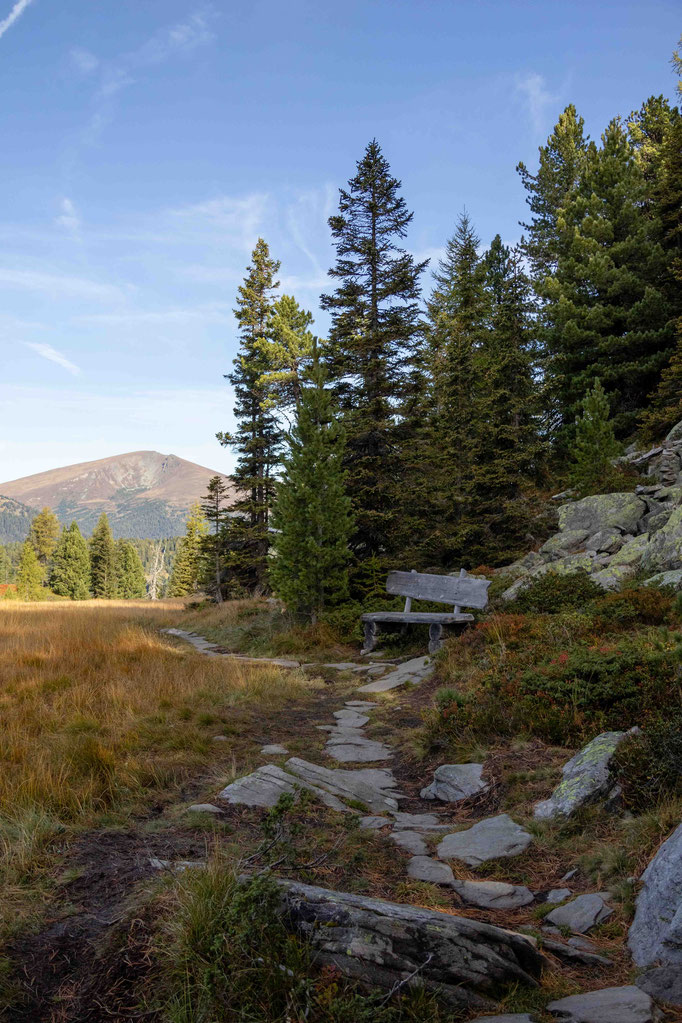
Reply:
x=645, y=605
x=551, y=593
x=649, y=764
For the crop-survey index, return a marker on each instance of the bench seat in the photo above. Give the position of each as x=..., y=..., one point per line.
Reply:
x=417, y=617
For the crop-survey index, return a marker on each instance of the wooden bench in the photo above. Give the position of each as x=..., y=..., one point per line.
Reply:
x=460, y=591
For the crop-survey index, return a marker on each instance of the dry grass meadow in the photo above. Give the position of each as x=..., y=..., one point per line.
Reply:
x=101, y=714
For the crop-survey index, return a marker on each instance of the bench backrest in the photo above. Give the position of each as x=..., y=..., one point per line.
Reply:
x=461, y=591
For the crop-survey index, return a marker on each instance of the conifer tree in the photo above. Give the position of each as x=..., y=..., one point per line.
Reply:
x=30, y=574
x=560, y=164
x=459, y=310
x=189, y=568
x=70, y=573
x=286, y=351
x=595, y=444
x=5, y=566
x=43, y=535
x=608, y=309
x=312, y=516
x=103, y=560
x=130, y=579
x=215, y=542
x=373, y=342
x=258, y=437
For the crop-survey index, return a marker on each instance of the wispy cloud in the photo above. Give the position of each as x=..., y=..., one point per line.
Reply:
x=533, y=88
x=237, y=220
x=57, y=285
x=68, y=218
x=16, y=12
x=52, y=355
x=83, y=60
x=215, y=312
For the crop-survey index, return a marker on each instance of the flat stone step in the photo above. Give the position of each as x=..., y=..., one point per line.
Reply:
x=490, y=839
x=414, y=671
x=264, y=787
x=373, y=786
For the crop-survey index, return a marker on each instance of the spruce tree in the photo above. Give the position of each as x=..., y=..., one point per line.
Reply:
x=43, y=535
x=312, y=516
x=130, y=579
x=459, y=310
x=188, y=567
x=258, y=437
x=608, y=308
x=595, y=444
x=286, y=350
x=103, y=560
x=560, y=164
x=215, y=544
x=5, y=566
x=70, y=574
x=30, y=574
x=373, y=343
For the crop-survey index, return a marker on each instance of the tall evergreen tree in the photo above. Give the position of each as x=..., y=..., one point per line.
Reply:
x=189, y=568
x=595, y=443
x=459, y=310
x=312, y=516
x=130, y=579
x=70, y=574
x=258, y=437
x=286, y=351
x=560, y=164
x=43, y=535
x=608, y=310
x=5, y=566
x=215, y=542
x=30, y=574
x=373, y=341
x=103, y=560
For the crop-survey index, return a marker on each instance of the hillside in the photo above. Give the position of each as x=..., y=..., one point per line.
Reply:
x=15, y=518
x=144, y=493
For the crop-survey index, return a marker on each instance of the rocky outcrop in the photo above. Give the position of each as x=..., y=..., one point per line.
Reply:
x=664, y=551
x=609, y=1005
x=581, y=914
x=655, y=937
x=603, y=511
x=385, y=944
x=586, y=778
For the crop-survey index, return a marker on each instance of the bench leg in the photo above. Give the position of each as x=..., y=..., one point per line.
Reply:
x=435, y=637
x=371, y=630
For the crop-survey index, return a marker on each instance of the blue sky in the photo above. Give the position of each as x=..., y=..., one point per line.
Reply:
x=147, y=144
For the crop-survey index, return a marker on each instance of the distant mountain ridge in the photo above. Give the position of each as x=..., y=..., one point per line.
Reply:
x=145, y=494
x=15, y=519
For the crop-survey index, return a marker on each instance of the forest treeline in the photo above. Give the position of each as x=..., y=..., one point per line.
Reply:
x=423, y=431
x=57, y=560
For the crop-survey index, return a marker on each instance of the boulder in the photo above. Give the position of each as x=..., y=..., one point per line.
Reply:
x=606, y=540
x=454, y=782
x=411, y=841
x=631, y=553
x=493, y=894
x=613, y=577
x=490, y=839
x=582, y=562
x=581, y=914
x=573, y=955
x=664, y=983
x=663, y=553
x=204, y=808
x=567, y=542
x=264, y=787
x=673, y=578
x=382, y=944
x=674, y=438
x=558, y=895
x=655, y=935
x=656, y=520
x=586, y=778
x=609, y=1005
x=603, y=511
x=523, y=566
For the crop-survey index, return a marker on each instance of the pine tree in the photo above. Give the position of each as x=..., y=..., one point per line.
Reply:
x=30, y=574
x=5, y=566
x=608, y=311
x=43, y=535
x=130, y=579
x=506, y=410
x=312, y=516
x=373, y=342
x=286, y=350
x=215, y=543
x=189, y=568
x=560, y=164
x=70, y=574
x=459, y=310
x=103, y=560
x=258, y=438
x=595, y=444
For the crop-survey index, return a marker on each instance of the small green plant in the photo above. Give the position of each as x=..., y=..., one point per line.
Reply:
x=552, y=593
x=649, y=764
